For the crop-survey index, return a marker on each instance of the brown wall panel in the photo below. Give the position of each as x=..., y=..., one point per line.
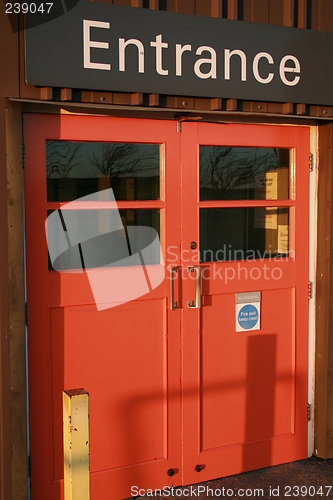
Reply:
x=325, y=111
x=316, y=17
x=232, y=9
x=274, y=107
x=203, y=103
x=276, y=9
x=302, y=14
x=256, y=11
x=322, y=15
x=184, y=6
x=204, y=7
x=127, y=3
x=254, y=107
x=281, y=13
x=180, y=102
x=9, y=86
x=66, y=94
x=45, y=93
x=97, y=97
x=16, y=300
x=324, y=302
x=216, y=8
x=119, y=98
x=288, y=13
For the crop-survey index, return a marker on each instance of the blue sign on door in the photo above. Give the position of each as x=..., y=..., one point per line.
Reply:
x=248, y=317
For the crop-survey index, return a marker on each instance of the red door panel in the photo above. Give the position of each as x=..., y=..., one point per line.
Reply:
x=174, y=388
x=244, y=393
x=126, y=357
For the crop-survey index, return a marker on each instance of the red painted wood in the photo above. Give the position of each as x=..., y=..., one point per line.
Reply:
x=245, y=393
x=126, y=357
x=168, y=389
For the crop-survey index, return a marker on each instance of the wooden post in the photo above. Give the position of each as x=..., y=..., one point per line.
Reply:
x=76, y=444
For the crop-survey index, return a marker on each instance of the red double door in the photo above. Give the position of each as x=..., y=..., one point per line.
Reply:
x=201, y=372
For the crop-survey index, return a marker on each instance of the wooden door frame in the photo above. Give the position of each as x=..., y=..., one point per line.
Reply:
x=13, y=466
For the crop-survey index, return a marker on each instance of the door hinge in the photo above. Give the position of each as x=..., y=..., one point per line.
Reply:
x=310, y=289
x=26, y=312
x=309, y=412
x=179, y=126
x=311, y=162
x=23, y=154
x=29, y=466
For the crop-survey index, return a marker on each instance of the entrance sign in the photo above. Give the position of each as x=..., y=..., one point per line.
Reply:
x=248, y=311
x=116, y=48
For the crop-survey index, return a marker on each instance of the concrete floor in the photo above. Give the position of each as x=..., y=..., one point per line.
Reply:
x=308, y=479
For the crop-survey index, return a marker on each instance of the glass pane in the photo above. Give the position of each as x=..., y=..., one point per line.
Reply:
x=77, y=169
x=243, y=233
x=85, y=239
x=228, y=173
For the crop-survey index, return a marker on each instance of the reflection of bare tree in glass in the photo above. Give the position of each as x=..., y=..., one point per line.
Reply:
x=233, y=173
x=116, y=160
x=61, y=158
x=223, y=169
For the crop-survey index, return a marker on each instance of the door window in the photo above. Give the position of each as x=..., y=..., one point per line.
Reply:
x=77, y=169
x=95, y=175
x=243, y=174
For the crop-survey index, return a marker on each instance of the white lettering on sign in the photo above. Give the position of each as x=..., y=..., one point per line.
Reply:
x=88, y=43
x=159, y=46
x=285, y=69
x=141, y=57
x=211, y=61
x=256, y=60
x=227, y=57
x=179, y=52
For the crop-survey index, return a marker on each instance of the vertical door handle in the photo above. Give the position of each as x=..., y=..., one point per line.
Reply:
x=197, y=304
x=173, y=304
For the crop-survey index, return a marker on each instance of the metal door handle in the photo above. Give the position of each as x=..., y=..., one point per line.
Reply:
x=173, y=304
x=190, y=303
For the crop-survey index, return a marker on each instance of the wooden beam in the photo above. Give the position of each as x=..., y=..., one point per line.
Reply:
x=288, y=13
x=302, y=13
x=232, y=105
x=46, y=94
x=301, y=109
x=14, y=170
x=232, y=9
x=9, y=87
x=154, y=99
x=323, y=440
x=66, y=94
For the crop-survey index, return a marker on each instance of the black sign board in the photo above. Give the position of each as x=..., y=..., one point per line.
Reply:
x=113, y=48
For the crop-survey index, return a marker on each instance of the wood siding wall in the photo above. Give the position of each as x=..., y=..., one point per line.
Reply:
x=304, y=14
